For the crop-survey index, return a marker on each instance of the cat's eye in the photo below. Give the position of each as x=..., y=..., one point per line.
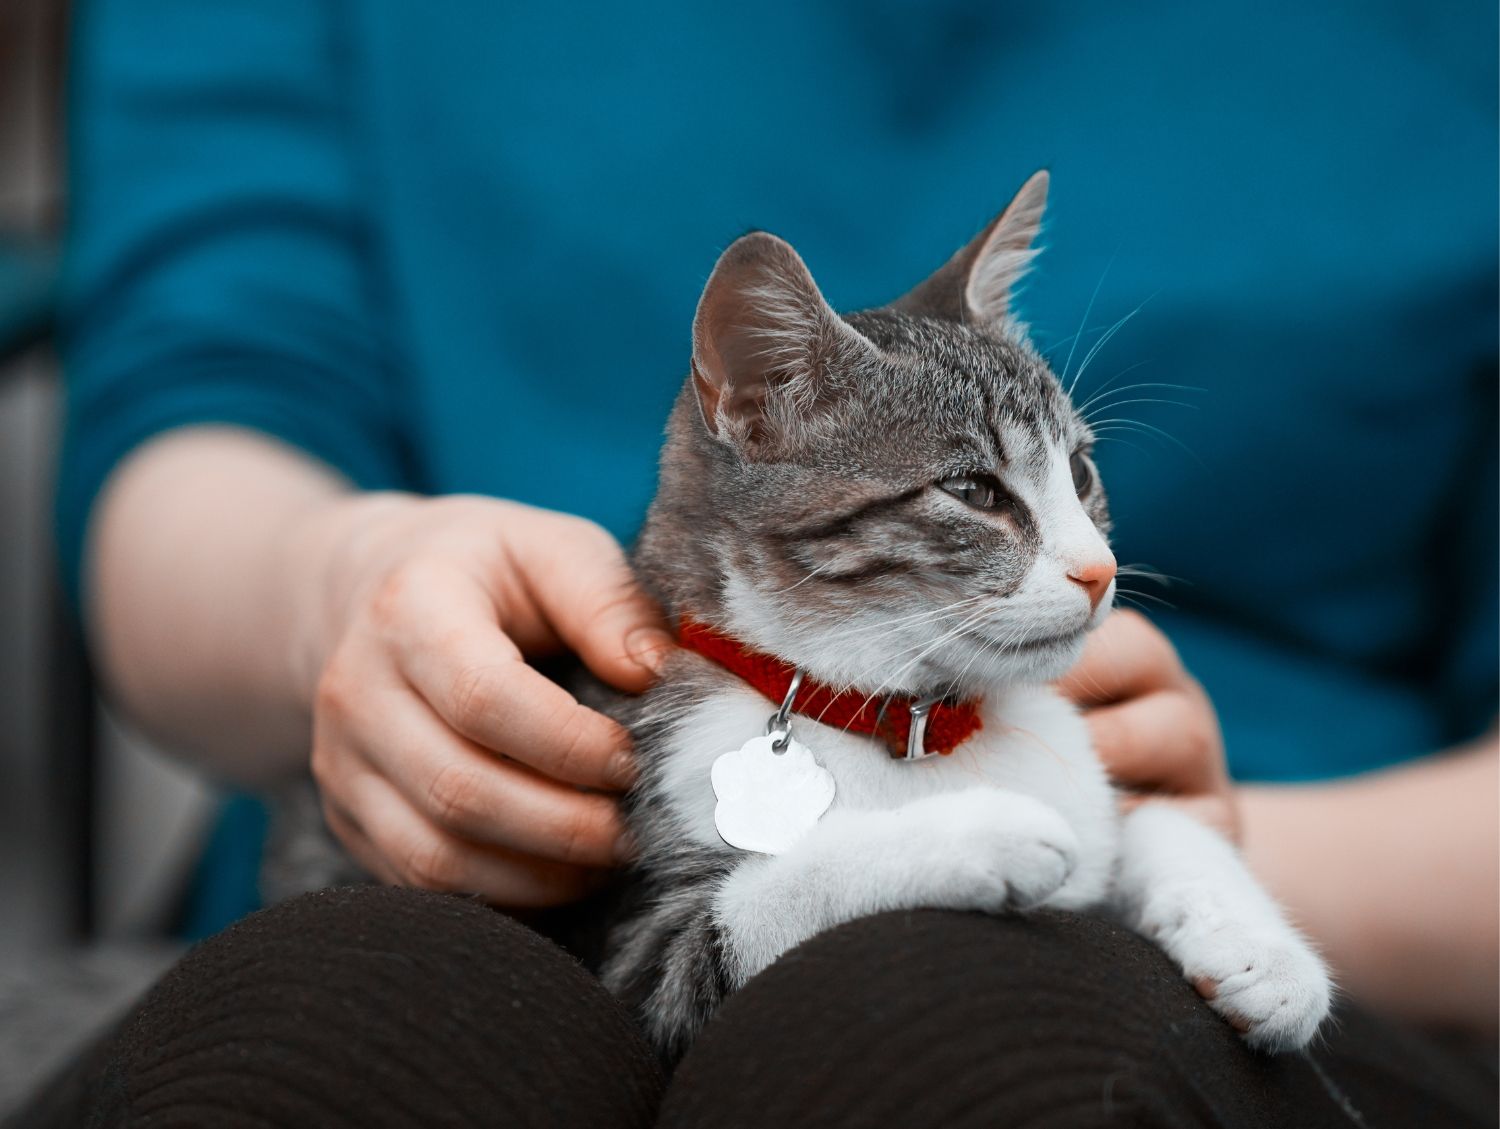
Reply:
x=1083, y=473
x=982, y=491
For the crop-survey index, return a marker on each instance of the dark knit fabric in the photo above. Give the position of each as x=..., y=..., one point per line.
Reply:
x=375, y=1008
x=960, y=1020
x=371, y=1008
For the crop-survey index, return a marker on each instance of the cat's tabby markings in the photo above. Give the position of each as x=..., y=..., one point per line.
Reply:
x=901, y=501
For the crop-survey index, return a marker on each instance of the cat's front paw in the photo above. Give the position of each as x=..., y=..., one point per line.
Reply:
x=1266, y=980
x=1274, y=991
x=995, y=850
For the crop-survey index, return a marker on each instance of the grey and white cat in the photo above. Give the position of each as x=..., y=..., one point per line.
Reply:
x=902, y=501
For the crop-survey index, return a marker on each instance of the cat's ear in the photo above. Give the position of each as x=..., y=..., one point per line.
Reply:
x=766, y=344
x=974, y=286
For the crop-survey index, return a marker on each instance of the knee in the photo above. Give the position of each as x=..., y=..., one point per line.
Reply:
x=369, y=998
x=944, y=1019
x=931, y=976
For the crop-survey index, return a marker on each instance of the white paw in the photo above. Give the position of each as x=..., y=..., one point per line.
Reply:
x=1265, y=979
x=993, y=850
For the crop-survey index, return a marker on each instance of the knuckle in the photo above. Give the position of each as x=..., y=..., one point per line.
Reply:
x=433, y=864
x=469, y=697
x=588, y=531
x=398, y=588
x=580, y=835
x=1198, y=747
x=333, y=694
x=452, y=796
x=591, y=540
x=1122, y=732
x=390, y=594
x=576, y=752
x=1149, y=638
x=621, y=599
x=1196, y=738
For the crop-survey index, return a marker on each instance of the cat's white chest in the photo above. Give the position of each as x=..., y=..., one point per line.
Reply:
x=1030, y=742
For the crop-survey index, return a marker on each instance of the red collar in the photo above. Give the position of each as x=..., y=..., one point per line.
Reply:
x=890, y=718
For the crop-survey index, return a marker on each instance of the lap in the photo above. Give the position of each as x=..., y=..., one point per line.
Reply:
x=376, y=1007
x=371, y=1007
x=945, y=1019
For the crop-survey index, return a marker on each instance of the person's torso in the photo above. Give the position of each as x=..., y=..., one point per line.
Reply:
x=1298, y=204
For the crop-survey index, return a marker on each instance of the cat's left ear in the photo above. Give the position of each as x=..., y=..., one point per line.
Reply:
x=974, y=286
x=769, y=353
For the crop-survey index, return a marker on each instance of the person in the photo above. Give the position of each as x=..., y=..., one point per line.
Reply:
x=375, y=314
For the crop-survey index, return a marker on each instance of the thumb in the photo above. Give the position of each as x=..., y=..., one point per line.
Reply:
x=583, y=587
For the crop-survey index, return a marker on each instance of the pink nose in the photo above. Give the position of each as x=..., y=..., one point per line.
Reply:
x=1094, y=577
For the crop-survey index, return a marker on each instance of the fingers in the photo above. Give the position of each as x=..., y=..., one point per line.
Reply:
x=466, y=791
x=584, y=589
x=1126, y=658
x=449, y=647
x=459, y=787
x=511, y=708
x=396, y=844
x=1163, y=741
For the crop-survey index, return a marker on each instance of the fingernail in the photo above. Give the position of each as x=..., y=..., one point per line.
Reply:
x=625, y=847
x=649, y=647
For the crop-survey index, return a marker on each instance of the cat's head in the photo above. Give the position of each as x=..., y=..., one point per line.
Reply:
x=901, y=499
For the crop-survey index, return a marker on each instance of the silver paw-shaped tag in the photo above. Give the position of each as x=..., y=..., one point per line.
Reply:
x=768, y=799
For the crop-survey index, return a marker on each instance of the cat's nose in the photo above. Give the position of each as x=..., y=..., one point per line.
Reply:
x=1093, y=577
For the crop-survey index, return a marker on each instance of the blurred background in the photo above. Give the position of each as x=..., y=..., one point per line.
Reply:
x=97, y=834
x=100, y=835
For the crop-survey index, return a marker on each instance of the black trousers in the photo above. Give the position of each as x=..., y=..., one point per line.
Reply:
x=369, y=1008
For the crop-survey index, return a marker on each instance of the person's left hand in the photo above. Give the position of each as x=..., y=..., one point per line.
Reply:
x=1152, y=724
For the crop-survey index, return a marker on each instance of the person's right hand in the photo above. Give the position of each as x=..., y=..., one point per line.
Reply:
x=443, y=759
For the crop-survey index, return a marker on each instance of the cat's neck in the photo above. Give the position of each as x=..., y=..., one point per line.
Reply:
x=692, y=558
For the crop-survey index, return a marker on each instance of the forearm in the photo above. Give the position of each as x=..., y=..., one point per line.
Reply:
x=201, y=594
x=1395, y=875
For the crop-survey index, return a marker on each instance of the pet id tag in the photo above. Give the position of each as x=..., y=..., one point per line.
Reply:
x=769, y=799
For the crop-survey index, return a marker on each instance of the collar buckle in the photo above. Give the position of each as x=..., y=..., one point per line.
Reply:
x=916, y=737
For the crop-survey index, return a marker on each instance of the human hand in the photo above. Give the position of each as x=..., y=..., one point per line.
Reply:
x=444, y=760
x=1152, y=724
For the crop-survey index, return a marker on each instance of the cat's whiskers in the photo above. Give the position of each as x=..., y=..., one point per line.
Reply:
x=853, y=633
x=1150, y=429
x=923, y=646
x=1115, y=405
x=1135, y=596
x=896, y=676
x=1104, y=390
x=953, y=609
x=984, y=651
x=1126, y=442
x=1084, y=321
x=1146, y=572
x=1104, y=340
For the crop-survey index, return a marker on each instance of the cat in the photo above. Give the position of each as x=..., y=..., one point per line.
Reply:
x=897, y=504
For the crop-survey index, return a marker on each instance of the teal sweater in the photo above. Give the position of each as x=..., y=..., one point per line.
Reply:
x=457, y=246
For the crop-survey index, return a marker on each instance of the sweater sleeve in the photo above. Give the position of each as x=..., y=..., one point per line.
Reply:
x=220, y=264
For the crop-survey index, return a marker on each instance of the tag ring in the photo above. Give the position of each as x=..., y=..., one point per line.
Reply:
x=780, y=722
x=916, y=737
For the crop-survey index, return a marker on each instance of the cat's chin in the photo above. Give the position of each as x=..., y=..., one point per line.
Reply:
x=1039, y=660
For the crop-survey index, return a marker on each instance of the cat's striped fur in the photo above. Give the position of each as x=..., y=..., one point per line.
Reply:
x=899, y=501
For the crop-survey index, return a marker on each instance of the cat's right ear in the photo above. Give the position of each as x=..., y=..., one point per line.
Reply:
x=764, y=342
x=974, y=287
